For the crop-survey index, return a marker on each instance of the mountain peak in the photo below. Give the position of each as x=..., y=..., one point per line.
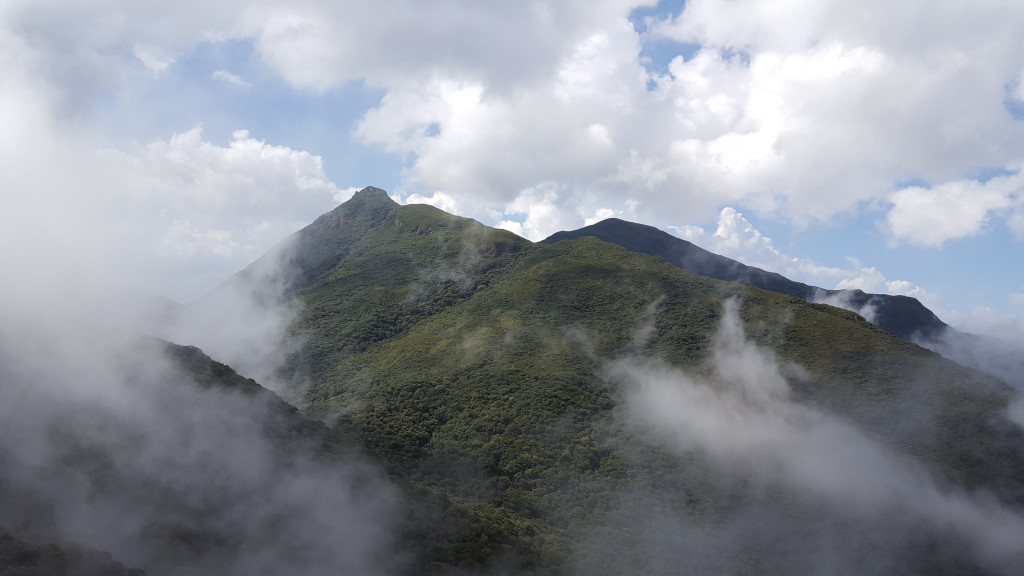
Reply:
x=370, y=200
x=367, y=205
x=372, y=193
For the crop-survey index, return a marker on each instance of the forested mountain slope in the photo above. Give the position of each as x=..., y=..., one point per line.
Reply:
x=470, y=402
x=490, y=370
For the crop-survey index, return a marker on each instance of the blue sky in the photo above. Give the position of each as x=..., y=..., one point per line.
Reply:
x=871, y=146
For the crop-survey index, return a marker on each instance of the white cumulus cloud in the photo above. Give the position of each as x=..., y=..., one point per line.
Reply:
x=736, y=237
x=229, y=203
x=952, y=210
x=547, y=115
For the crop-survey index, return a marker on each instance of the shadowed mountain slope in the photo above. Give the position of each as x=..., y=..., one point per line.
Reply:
x=901, y=316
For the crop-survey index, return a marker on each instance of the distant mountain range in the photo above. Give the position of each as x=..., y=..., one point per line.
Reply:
x=901, y=316
x=609, y=401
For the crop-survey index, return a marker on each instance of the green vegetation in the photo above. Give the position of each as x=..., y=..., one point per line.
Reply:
x=473, y=365
x=469, y=361
x=900, y=316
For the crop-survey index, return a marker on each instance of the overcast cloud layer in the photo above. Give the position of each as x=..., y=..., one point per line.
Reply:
x=536, y=117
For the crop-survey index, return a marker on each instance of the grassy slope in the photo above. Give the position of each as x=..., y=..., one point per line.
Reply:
x=469, y=361
x=401, y=265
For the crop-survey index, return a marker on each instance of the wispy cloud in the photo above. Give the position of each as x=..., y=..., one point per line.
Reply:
x=229, y=78
x=744, y=417
x=157, y=456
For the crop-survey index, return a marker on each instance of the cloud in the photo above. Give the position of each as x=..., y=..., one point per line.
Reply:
x=744, y=418
x=87, y=53
x=540, y=206
x=794, y=109
x=952, y=210
x=247, y=175
x=985, y=320
x=438, y=200
x=173, y=215
x=182, y=239
x=195, y=201
x=233, y=79
x=599, y=215
x=158, y=217
x=105, y=441
x=736, y=237
x=870, y=279
x=993, y=349
x=544, y=110
x=989, y=342
x=320, y=45
x=803, y=110
x=846, y=300
x=1016, y=223
x=790, y=113
x=154, y=59
x=735, y=232
x=118, y=443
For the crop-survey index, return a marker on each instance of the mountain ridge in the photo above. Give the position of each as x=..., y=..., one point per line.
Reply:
x=579, y=408
x=902, y=316
x=470, y=361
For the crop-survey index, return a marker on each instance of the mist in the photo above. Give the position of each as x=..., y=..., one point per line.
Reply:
x=994, y=355
x=844, y=299
x=244, y=321
x=160, y=456
x=154, y=453
x=808, y=489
